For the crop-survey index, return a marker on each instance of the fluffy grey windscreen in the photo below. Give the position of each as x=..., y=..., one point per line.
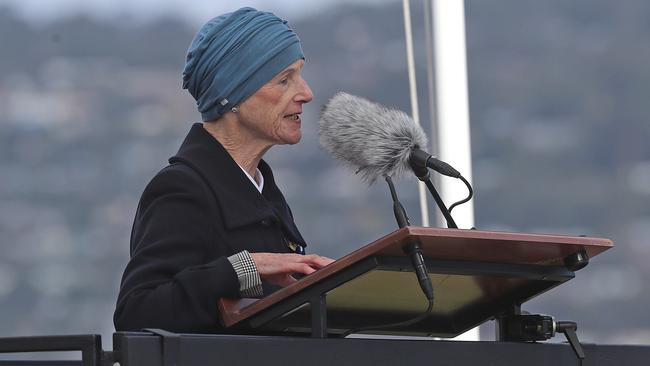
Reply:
x=375, y=140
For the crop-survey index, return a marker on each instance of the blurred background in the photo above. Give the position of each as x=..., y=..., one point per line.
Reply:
x=91, y=108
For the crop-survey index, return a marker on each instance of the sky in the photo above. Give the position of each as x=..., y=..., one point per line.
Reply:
x=143, y=10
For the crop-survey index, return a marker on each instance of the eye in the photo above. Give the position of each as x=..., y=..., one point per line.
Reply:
x=284, y=80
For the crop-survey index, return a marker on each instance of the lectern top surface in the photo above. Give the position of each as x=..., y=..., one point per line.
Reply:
x=498, y=253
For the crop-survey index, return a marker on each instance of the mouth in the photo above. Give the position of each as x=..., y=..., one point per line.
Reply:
x=293, y=117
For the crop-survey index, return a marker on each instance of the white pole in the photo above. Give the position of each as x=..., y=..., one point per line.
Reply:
x=452, y=108
x=452, y=102
x=424, y=209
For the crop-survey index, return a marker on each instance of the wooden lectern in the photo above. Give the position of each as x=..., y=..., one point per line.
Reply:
x=476, y=275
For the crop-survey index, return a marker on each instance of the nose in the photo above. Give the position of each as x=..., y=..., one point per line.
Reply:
x=305, y=94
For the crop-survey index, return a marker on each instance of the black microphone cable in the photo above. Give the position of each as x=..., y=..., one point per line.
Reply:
x=466, y=199
x=402, y=324
x=420, y=162
x=414, y=251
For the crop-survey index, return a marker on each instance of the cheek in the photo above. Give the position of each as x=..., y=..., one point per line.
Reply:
x=273, y=116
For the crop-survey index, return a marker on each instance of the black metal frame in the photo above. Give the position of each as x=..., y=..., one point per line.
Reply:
x=90, y=346
x=501, y=330
x=146, y=349
x=141, y=349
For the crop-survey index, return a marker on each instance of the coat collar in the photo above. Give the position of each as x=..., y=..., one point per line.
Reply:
x=241, y=203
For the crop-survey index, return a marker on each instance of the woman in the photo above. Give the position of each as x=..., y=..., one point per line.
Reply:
x=213, y=223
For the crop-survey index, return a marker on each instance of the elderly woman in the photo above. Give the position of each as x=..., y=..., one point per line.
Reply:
x=213, y=223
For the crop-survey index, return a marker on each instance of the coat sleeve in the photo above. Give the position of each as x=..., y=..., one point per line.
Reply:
x=174, y=279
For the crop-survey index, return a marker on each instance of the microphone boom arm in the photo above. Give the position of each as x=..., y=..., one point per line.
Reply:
x=420, y=162
x=441, y=205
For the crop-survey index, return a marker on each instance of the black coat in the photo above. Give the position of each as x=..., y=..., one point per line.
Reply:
x=193, y=214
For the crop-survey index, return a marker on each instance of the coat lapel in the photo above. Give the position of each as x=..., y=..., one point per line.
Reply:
x=240, y=202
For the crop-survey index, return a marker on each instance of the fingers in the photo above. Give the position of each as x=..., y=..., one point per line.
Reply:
x=317, y=260
x=285, y=263
x=313, y=260
x=303, y=268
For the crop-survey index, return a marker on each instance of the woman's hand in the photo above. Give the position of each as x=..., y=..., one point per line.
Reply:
x=277, y=268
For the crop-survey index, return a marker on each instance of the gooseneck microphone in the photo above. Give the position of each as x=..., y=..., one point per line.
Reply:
x=412, y=248
x=420, y=160
x=378, y=142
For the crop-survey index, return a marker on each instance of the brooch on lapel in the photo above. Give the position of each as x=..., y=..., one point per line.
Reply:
x=296, y=248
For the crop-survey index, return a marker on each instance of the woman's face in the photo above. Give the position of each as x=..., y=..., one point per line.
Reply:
x=272, y=114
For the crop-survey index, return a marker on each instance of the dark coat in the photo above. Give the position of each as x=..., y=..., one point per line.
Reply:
x=193, y=214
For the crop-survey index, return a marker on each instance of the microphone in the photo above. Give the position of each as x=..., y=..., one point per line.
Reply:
x=421, y=160
x=376, y=140
x=379, y=142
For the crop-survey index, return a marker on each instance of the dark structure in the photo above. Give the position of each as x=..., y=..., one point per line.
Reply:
x=476, y=275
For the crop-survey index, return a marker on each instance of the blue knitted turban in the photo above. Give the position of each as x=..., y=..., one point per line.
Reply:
x=233, y=55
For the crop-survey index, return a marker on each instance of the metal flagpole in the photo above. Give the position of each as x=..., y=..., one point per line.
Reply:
x=452, y=107
x=424, y=209
x=431, y=89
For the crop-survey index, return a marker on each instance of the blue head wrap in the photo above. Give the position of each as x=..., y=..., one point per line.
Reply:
x=233, y=55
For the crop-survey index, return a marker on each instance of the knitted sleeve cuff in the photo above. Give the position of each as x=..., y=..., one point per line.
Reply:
x=250, y=283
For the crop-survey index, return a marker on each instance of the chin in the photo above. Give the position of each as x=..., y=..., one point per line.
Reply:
x=292, y=140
